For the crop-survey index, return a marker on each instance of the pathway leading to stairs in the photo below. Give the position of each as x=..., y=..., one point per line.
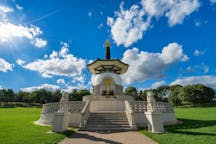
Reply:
x=128, y=137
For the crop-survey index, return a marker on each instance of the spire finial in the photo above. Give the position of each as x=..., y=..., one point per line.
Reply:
x=107, y=43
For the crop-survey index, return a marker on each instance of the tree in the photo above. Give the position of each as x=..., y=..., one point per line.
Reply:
x=76, y=95
x=196, y=94
x=42, y=96
x=7, y=95
x=173, y=97
x=131, y=91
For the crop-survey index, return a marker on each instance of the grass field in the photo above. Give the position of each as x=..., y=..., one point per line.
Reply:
x=199, y=127
x=16, y=127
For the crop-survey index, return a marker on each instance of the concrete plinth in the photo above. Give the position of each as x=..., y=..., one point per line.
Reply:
x=60, y=122
x=155, y=121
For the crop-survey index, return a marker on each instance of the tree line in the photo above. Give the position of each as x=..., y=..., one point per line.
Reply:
x=177, y=94
x=39, y=96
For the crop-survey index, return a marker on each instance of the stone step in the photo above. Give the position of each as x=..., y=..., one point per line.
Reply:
x=107, y=121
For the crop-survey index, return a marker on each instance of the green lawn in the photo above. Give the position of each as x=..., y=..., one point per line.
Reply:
x=199, y=127
x=16, y=127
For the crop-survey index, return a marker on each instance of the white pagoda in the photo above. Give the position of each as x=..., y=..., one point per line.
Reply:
x=107, y=108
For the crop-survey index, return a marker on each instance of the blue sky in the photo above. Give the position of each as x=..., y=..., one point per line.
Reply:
x=47, y=44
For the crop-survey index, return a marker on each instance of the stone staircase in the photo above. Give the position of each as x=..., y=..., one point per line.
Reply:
x=107, y=121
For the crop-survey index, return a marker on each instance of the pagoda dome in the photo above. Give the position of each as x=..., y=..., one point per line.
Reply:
x=98, y=78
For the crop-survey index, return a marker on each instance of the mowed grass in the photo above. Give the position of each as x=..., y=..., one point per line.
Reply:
x=16, y=127
x=199, y=127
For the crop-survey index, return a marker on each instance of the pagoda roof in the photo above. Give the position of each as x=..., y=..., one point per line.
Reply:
x=101, y=65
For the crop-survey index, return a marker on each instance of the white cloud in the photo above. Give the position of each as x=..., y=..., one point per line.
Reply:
x=10, y=31
x=203, y=67
x=60, y=81
x=20, y=62
x=1, y=87
x=80, y=79
x=198, y=68
x=127, y=26
x=144, y=65
x=174, y=10
x=38, y=42
x=5, y=9
x=19, y=7
x=207, y=80
x=58, y=64
x=70, y=88
x=198, y=52
x=48, y=87
x=158, y=84
x=5, y=66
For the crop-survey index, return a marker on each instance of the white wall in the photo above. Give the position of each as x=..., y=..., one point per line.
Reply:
x=115, y=105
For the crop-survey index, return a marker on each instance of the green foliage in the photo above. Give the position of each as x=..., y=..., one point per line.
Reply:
x=76, y=95
x=7, y=95
x=196, y=94
x=131, y=91
x=173, y=97
x=39, y=96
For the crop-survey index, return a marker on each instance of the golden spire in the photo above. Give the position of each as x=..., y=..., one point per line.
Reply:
x=107, y=43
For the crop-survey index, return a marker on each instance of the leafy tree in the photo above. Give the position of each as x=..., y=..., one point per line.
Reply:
x=7, y=95
x=131, y=91
x=196, y=94
x=173, y=97
x=76, y=95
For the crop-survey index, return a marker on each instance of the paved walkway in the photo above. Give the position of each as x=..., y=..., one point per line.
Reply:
x=85, y=137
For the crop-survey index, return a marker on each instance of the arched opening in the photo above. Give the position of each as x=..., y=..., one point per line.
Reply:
x=107, y=86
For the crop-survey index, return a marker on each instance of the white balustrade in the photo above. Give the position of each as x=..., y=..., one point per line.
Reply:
x=141, y=106
x=73, y=106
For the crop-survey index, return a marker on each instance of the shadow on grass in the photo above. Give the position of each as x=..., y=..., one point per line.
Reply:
x=191, y=124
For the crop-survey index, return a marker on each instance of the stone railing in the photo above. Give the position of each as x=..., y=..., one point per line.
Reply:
x=73, y=106
x=141, y=106
x=164, y=107
x=51, y=107
x=100, y=97
x=130, y=114
x=76, y=106
x=85, y=114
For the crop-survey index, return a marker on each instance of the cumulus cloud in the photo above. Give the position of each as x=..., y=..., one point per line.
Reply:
x=158, y=84
x=5, y=9
x=60, y=81
x=20, y=62
x=48, y=87
x=127, y=26
x=38, y=42
x=19, y=7
x=198, y=52
x=5, y=66
x=58, y=64
x=144, y=65
x=10, y=31
x=207, y=80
